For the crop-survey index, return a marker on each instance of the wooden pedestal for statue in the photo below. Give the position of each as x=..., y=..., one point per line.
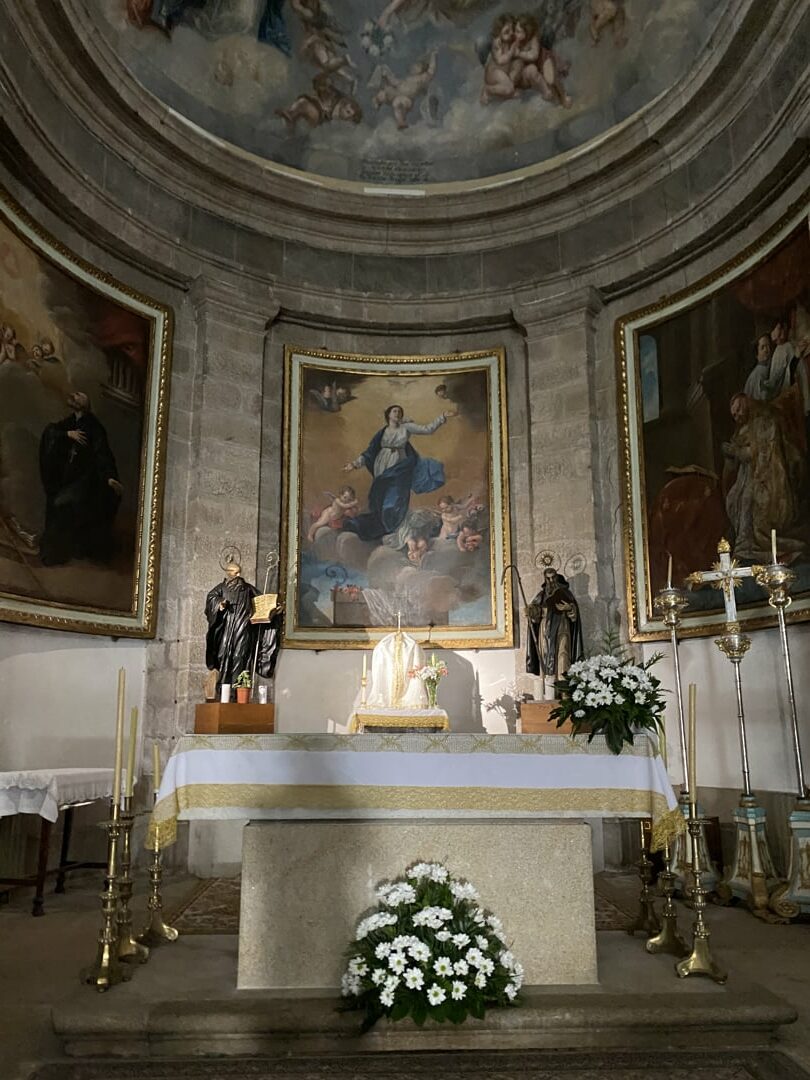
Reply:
x=534, y=719
x=217, y=718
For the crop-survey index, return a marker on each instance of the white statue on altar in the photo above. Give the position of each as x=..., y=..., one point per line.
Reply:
x=391, y=687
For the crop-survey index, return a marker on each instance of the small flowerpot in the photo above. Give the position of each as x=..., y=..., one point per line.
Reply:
x=243, y=694
x=432, y=692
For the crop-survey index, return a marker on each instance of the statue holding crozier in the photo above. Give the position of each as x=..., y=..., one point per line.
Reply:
x=234, y=642
x=556, y=641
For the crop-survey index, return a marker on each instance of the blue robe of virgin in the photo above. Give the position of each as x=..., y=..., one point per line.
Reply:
x=390, y=494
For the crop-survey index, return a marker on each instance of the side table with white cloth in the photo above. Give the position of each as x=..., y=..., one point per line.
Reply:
x=47, y=792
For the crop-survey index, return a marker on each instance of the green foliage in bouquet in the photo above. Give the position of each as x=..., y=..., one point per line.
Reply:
x=610, y=695
x=429, y=951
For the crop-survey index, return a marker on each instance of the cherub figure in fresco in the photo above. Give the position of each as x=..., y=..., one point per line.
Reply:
x=451, y=407
x=537, y=66
x=469, y=538
x=343, y=505
x=502, y=52
x=439, y=12
x=326, y=103
x=418, y=547
x=324, y=41
x=605, y=13
x=401, y=94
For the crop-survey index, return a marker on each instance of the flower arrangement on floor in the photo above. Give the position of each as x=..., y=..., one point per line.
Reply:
x=610, y=695
x=430, y=675
x=429, y=950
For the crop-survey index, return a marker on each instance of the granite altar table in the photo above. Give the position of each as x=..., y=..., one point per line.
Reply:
x=342, y=812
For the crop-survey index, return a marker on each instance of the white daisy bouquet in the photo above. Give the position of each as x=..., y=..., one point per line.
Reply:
x=429, y=950
x=612, y=696
x=430, y=674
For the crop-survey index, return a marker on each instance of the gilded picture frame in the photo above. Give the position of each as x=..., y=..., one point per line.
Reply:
x=84, y=390
x=396, y=499
x=714, y=411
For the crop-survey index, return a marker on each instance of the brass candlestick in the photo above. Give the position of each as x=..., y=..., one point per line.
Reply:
x=363, y=687
x=791, y=898
x=647, y=921
x=129, y=949
x=667, y=940
x=699, y=961
x=671, y=603
x=107, y=970
x=156, y=931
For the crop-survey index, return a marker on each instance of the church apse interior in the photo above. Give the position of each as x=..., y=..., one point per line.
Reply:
x=375, y=379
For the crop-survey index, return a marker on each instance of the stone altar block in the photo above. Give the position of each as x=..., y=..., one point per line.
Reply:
x=306, y=883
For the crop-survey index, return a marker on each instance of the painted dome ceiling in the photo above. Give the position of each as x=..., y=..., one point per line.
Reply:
x=398, y=92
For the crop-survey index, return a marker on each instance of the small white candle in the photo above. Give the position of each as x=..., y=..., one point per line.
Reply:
x=119, y=737
x=669, y=572
x=133, y=742
x=155, y=767
x=225, y=693
x=773, y=546
x=365, y=667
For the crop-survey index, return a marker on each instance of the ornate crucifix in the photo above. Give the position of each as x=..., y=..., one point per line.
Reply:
x=725, y=575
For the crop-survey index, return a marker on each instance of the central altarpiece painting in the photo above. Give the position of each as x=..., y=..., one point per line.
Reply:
x=396, y=494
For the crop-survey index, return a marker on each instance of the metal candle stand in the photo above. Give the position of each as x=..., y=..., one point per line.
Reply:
x=752, y=876
x=791, y=898
x=107, y=970
x=130, y=950
x=667, y=940
x=699, y=961
x=647, y=921
x=156, y=931
x=671, y=603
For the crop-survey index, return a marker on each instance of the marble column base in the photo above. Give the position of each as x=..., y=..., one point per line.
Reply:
x=305, y=885
x=792, y=898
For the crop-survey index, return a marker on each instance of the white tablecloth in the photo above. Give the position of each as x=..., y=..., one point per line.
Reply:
x=409, y=775
x=47, y=791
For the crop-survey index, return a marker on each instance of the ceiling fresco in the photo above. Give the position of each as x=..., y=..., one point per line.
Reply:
x=407, y=91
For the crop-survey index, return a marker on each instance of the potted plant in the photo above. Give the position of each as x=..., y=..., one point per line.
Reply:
x=610, y=695
x=243, y=685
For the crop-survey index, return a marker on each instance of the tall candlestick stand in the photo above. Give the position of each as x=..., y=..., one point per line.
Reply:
x=107, y=970
x=699, y=961
x=363, y=689
x=671, y=603
x=647, y=921
x=130, y=950
x=791, y=898
x=752, y=877
x=667, y=940
x=156, y=931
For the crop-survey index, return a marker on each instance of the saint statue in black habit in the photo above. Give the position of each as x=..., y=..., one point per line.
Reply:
x=231, y=641
x=554, y=615
x=82, y=490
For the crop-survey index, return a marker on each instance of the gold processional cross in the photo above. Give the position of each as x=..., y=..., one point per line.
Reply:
x=725, y=575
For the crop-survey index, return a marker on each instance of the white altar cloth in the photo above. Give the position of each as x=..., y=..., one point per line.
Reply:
x=47, y=791
x=320, y=776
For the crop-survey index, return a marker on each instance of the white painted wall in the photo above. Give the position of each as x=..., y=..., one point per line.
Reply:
x=58, y=696
x=767, y=712
x=314, y=688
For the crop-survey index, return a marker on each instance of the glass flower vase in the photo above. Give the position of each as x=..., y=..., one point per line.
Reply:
x=432, y=689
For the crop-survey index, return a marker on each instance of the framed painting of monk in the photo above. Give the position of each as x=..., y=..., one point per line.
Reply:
x=83, y=397
x=396, y=499
x=714, y=407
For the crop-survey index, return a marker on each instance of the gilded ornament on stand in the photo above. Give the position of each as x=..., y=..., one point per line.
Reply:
x=107, y=970
x=156, y=931
x=699, y=961
x=130, y=950
x=647, y=921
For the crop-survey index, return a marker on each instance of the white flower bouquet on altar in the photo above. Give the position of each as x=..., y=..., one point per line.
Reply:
x=430, y=675
x=611, y=696
x=429, y=950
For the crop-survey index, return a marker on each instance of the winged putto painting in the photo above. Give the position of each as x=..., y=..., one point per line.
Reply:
x=426, y=90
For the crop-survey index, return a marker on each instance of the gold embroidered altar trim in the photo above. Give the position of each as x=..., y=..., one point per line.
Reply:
x=666, y=828
x=603, y=802
x=438, y=720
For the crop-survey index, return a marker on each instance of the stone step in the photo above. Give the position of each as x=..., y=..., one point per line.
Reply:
x=268, y=1024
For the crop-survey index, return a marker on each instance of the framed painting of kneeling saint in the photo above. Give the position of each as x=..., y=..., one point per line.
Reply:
x=714, y=407
x=84, y=367
x=396, y=490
